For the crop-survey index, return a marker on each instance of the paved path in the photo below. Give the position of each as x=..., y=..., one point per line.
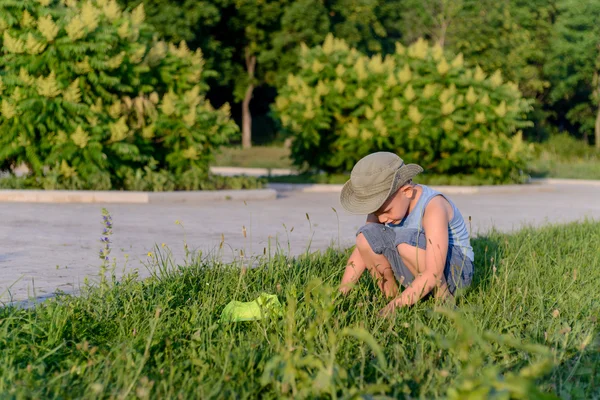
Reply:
x=35, y=239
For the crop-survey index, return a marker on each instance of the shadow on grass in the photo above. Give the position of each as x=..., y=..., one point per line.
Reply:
x=488, y=255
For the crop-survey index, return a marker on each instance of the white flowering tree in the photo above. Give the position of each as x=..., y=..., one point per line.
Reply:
x=92, y=99
x=431, y=109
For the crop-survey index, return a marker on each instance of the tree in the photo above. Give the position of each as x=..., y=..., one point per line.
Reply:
x=273, y=32
x=509, y=35
x=189, y=20
x=574, y=65
x=430, y=19
x=256, y=21
x=178, y=20
x=232, y=35
x=308, y=22
x=92, y=99
x=255, y=43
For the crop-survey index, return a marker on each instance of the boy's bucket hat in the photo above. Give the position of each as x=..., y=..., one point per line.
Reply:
x=373, y=180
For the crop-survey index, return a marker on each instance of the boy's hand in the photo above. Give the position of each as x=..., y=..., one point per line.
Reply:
x=389, y=310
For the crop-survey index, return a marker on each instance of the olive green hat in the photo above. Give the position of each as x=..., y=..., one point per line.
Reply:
x=373, y=180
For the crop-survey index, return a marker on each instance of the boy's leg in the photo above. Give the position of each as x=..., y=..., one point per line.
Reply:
x=458, y=269
x=413, y=258
x=376, y=245
x=379, y=267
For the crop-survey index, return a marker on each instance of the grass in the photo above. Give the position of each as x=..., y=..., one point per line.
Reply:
x=254, y=157
x=565, y=157
x=579, y=169
x=527, y=328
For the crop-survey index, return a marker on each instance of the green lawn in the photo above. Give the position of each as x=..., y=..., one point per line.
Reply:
x=254, y=157
x=562, y=156
x=528, y=324
x=574, y=169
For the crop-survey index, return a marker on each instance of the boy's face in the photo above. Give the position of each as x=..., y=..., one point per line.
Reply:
x=395, y=208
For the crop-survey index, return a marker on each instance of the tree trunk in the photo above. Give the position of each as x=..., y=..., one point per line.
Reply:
x=246, y=115
x=442, y=36
x=596, y=83
x=596, y=92
x=597, y=127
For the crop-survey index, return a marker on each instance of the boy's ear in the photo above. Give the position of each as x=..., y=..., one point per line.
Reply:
x=408, y=190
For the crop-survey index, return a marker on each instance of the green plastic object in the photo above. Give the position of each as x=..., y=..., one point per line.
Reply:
x=265, y=305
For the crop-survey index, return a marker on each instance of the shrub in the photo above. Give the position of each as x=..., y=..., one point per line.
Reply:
x=91, y=98
x=342, y=105
x=149, y=180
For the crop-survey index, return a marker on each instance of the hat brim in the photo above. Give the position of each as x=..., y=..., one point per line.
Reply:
x=355, y=204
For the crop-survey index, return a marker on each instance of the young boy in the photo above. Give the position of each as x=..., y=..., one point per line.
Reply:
x=413, y=234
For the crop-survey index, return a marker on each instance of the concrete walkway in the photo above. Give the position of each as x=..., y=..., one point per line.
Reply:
x=44, y=247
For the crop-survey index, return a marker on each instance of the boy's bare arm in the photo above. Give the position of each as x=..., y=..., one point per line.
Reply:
x=435, y=223
x=354, y=270
x=355, y=266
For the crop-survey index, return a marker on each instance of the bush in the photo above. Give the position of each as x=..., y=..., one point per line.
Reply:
x=91, y=99
x=149, y=181
x=343, y=105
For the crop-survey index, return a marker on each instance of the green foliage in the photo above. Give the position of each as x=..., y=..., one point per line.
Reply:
x=146, y=180
x=181, y=20
x=534, y=43
x=574, y=64
x=91, y=98
x=451, y=119
x=512, y=36
x=232, y=33
x=527, y=325
x=309, y=21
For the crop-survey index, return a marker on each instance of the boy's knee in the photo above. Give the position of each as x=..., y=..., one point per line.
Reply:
x=375, y=238
x=405, y=249
x=362, y=243
x=410, y=257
